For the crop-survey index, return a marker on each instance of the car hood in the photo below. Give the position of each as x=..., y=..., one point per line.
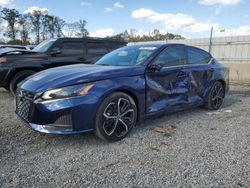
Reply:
x=15, y=51
x=76, y=74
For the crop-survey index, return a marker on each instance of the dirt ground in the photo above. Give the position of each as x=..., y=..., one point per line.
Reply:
x=195, y=148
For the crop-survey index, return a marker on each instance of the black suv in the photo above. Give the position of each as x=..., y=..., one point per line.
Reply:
x=17, y=64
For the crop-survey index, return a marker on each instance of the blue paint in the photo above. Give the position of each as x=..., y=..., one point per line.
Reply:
x=167, y=90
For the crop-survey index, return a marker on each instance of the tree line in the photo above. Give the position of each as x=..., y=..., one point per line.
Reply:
x=37, y=26
x=132, y=35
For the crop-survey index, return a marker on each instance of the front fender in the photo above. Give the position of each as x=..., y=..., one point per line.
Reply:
x=133, y=86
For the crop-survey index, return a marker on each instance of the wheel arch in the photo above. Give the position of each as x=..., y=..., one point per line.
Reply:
x=130, y=93
x=224, y=85
x=15, y=71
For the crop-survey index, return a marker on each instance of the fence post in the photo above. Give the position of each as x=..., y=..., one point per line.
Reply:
x=210, y=41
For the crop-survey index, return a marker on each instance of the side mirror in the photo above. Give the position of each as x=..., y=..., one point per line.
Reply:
x=154, y=67
x=55, y=51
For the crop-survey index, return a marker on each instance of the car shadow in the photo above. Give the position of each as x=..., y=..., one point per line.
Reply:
x=174, y=118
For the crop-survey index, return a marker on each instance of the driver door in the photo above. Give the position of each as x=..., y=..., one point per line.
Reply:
x=71, y=52
x=167, y=81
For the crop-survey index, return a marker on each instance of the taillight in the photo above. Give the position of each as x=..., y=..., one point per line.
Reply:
x=3, y=59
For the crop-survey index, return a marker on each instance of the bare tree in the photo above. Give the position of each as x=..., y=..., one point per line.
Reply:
x=70, y=29
x=11, y=16
x=36, y=21
x=51, y=26
x=40, y=24
x=59, y=25
x=126, y=35
x=82, y=31
x=156, y=34
x=133, y=33
x=24, y=28
x=45, y=26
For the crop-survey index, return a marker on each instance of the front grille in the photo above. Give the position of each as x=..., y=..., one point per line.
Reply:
x=65, y=120
x=23, y=104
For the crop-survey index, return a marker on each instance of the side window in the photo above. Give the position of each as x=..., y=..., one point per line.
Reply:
x=171, y=56
x=96, y=48
x=197, y=56
x=72, y=48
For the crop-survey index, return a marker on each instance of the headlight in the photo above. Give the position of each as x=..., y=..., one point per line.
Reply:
x=71, y=91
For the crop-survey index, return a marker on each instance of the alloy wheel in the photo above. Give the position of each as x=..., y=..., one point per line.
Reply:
x=118, y=117
x=217, y=95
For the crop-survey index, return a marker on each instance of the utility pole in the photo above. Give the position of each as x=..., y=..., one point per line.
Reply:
x=210, y=41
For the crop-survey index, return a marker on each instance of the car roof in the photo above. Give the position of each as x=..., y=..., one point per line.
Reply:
x=155, y=44
x=11, y=45
x=91, y=39
x=158, y=45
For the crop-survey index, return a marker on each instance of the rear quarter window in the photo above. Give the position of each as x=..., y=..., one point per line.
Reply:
x=96, y=48
x=197, y=56
x=72, y=48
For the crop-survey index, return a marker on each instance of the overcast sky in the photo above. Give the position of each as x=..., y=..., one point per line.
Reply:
x=190, y=18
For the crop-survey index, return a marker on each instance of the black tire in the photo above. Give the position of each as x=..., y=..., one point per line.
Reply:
x=20, y=76
x=7, y=88
x=112, y=124
x=216, y=96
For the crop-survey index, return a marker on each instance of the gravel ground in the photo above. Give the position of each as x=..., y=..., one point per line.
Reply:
x=196, y=148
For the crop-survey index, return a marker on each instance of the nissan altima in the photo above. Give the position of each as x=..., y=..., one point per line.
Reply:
x=123, y=87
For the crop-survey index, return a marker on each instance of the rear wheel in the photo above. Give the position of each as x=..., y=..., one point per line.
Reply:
x=116, y=117
x=216, y=96
x=20, y=76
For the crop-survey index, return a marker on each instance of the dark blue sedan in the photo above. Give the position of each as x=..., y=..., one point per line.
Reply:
x=123, y=87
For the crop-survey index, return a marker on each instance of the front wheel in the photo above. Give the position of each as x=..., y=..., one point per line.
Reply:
x=116, y=117
x=216, y=96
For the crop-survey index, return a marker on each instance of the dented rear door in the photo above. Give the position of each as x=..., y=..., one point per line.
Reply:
x=200, y=72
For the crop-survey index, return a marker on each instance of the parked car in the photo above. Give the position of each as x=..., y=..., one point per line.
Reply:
x=13, y=46
x=123, y=87
x=18, y=64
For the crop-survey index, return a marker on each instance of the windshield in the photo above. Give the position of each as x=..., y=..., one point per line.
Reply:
x=127, y=56
x=44, y=46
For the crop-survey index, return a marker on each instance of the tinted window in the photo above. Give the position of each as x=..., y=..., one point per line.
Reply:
x=96, y=48
x=171, y=56
x=72, y=48
x=197, y=56
x=44, y=46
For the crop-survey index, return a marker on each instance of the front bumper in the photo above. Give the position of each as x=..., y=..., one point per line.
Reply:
x=66, y=116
